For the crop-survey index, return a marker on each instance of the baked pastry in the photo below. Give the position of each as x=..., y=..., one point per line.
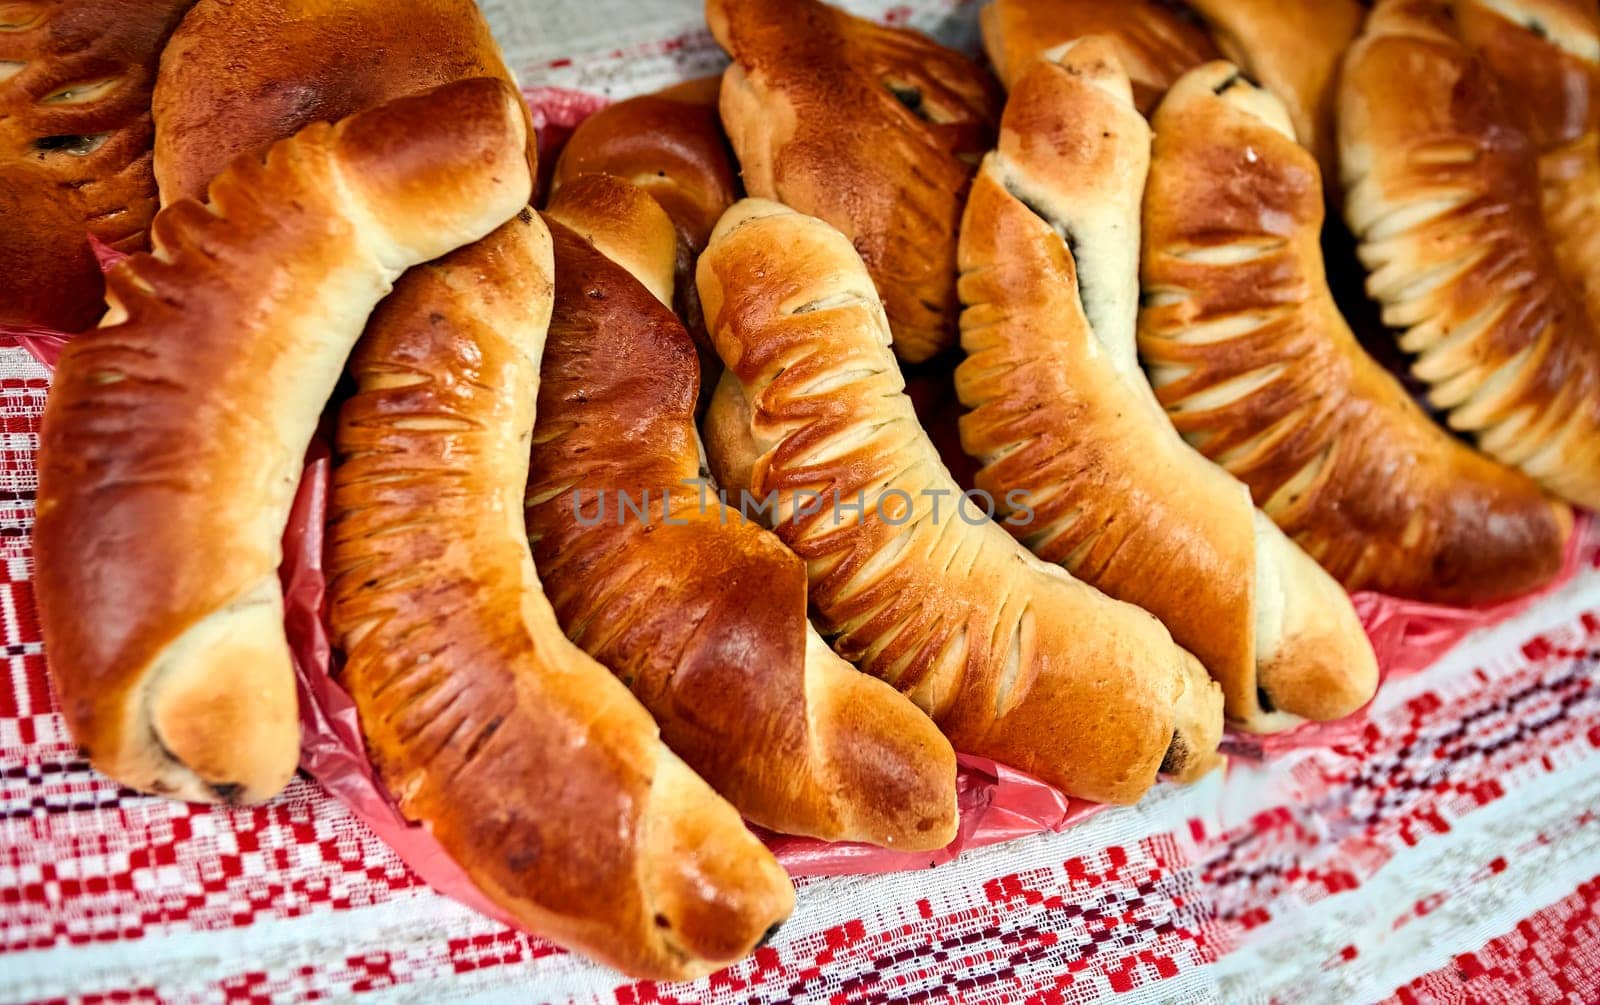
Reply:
x=236, y=77
x=1544, y=55
x=702, y=614
x=1014, y=659
x=51, y=275
x=1293, y=48
x=626, y=225
x=175, y=433
x=670, y=144
x=875, y=130
x=1545, y=58
x=75, y=134
x=1443, y=193
x=1259, y=370
x=1156, y=42
x=1062, y=414
x=527, y=761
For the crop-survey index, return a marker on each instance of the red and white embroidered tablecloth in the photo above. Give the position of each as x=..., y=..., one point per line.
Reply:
x=1449, y=852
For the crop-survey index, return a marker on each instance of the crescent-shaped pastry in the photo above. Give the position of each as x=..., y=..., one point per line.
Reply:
x=1545, y=57
x=701, y=613
x=670, y=144
x=1062, y=412
x=1258, y=369
x=1015, y=659
x=75, y=139
x=531, y=765
x=236, y=77
x=875, y=130
x=1154, y=41
x=175, y=433
x=1443, y=193
x=1293, y=48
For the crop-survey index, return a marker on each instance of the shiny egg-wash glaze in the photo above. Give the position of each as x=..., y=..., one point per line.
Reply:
x=1293, y=48
x=158, y=543
x=1013, y=658
x=670, y=144
x=1061, y=410
x=527, y=760
x=1545, y=58
x=1154, y=43
x=875, y=130
x=1443, y=192
x=75, y=148
x=702, y=614
x=1258, y=369
x=237, y=76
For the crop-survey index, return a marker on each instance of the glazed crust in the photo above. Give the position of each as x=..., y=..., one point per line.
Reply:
x=75, y=139
x=158, y=548
x=1015, y=659
x=1258, y=369
x=627, y=226
x=1443, y=192
x=669, y=144
x=236, y=77
x=530, y=764
x=702, y=614
x=1544, y=55
x=1155, y=42
x=1062, y=412
x=1545, y=58
x=875, y=130
x=1293, y=48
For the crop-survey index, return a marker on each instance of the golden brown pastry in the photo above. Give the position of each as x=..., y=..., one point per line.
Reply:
x=670, y=144
x=1013, y=658
x=875, y=130
x=1545, y=58
x=1062, y=412
x=533, y=768
x=1293, y=48
x=75, y=135
x=1443, y=193
x=52, y=279
x=626, y=225
x=175, y=433
x=1258, y=369
x=1156, y=42
x=702, y=614
x=1544, y=55
x=238, y=76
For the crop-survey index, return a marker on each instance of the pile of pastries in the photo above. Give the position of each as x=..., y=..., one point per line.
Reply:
x=1183, y=454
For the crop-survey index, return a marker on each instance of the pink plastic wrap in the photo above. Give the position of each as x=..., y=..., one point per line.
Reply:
x=997, y=803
